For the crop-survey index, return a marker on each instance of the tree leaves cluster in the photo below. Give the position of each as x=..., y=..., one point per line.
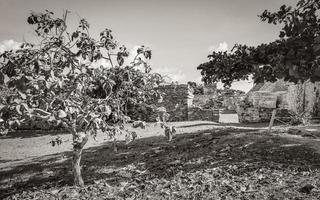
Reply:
x=196, y=89
x=293, y=57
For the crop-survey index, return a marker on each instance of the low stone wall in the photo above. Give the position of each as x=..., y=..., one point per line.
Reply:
x=254, y=115
x=200, y=100
x=249, y=112
x=302, y=99
x=197, y=113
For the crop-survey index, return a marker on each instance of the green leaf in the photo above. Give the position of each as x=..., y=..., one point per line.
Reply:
x=25, y=106
x=120, y=60
x=18, y=109
x=66, y=71
x=23, y=96
x=2, y=78
x=60, y=83
x=52, y=74
x=6, y=79
x=48, y=84
x=62, y=114
x=84, y=70
x=77, y=71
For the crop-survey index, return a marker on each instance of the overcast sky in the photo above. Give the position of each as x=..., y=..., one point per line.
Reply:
x=180, y=32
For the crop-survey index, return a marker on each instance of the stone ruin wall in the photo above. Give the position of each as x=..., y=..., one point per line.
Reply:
x=203, y=114
x=253, y=112
x=304, y=98
x=199, y=100
x=180, y=104
x=257, y=106
x=175, y=99
x=287, y=97
x=201, y=108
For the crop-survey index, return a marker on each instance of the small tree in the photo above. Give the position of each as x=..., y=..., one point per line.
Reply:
x=60, y=80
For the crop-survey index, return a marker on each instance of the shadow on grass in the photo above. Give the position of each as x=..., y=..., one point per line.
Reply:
x=235, y=125
x=187, y=152
x=32, y=133
x=5, y=161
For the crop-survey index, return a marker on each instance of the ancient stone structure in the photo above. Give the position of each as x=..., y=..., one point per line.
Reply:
x=304, y=98
x=300, y=99
x=221, y=99
x=198, y=113
x=248, y=113
x=176, y=100
x=231, y=98
x=201, y=100
x=179, y=103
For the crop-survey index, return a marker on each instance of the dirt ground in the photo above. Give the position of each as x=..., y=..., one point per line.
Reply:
x=205, y=160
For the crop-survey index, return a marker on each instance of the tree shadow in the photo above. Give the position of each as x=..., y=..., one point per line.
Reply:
x=187, y=152
x=5, y=160
x=32, y=133
x=235, y=125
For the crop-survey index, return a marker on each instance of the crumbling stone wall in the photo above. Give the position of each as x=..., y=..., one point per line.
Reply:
x=221, y=99
x=304, y=98
x=175, y=99
x=247, y=113
x=201, y=100
x=231, y=102
x=179, y=103
x=198, y=113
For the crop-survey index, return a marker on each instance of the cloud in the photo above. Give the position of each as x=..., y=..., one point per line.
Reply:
x=221, y=47
x=7, y=45
x=171, y=74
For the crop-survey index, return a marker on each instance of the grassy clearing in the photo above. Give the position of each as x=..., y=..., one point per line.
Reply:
x=204, y=161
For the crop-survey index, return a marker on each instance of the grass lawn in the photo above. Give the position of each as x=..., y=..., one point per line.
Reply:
x=204, y=161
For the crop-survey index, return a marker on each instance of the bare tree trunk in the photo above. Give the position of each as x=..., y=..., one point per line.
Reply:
x=78, y=181
x=79, y=140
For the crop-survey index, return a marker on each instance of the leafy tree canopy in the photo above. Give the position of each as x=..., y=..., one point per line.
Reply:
x=293, y=57
x=59, y=80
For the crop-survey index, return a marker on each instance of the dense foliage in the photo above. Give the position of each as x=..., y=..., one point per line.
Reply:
x=293, y=57
x=60, y=79
x=196, y=88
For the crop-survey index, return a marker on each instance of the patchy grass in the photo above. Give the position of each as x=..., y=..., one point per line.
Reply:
x=214, y=162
